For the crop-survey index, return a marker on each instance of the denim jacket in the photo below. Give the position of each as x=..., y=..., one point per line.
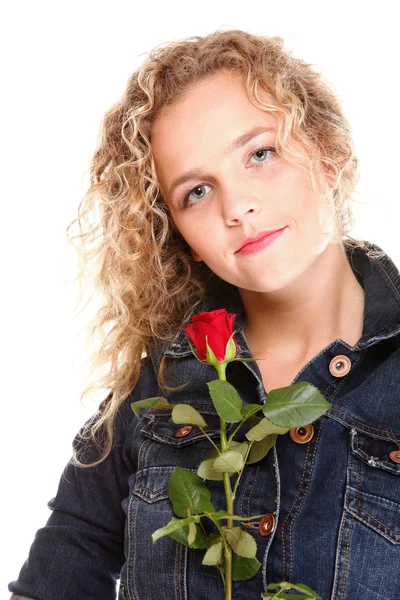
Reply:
x=330, y=492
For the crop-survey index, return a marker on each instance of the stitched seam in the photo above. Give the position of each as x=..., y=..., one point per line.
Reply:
x=176, y=568
x=184, y=575
x=301, y=503
x=366, y=426
x=377, y=520
x=131, y=555
x=142, y=454
x=366, y=512
x=386, y=501
x=347, y=559
x=339, y=550
x=153, y=491
x=250, y=494
x=290, y=510
x=372, y=526
x=234, y=596
x=388, y=277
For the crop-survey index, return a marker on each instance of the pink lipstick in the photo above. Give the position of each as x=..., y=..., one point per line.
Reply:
x=259, y=242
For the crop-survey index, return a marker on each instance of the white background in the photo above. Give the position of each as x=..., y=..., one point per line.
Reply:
x=63, y=65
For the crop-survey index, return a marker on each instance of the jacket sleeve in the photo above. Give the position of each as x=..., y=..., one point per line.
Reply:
x=79, y=553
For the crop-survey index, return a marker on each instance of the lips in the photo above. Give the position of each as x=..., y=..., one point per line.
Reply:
x=259, y=236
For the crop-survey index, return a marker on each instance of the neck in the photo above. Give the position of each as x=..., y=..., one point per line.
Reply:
x=324, y=304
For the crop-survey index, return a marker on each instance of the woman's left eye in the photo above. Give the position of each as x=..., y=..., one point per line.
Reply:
x=262, y=151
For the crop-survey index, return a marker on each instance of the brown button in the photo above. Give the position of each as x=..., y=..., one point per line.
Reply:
x=302, y=435
x=267, y=524
x=395, y=456
x=340, y=365
x=183, y=431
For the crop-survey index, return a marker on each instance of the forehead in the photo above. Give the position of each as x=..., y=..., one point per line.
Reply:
x=221, y=96
x=193, y=131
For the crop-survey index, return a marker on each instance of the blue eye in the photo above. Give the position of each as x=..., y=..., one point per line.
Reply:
x=262, y=150
x=186, y=197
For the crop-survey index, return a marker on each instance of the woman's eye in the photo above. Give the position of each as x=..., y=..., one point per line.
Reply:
x=261, y=157
x=196, y=195
x=262, y=151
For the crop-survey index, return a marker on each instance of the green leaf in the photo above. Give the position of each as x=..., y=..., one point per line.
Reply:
x=173, y=525
x=244, y=568
x=186, y=490
x=241, y=542
x=250, y=409
x=213, y=454
x=295, y=405
x=285, y=585
x=229, y=462
x=237, y=446
x=283, y=596
x=226, y=400
x=253, y=420
x=181, y=536
x=264, y=428
x=220, y=514
x=214, y=552
x=261, y=449
x=184, y=413
x=158, y=402
x=206, y=470
x=241, y=447
x=305, y=588
x=191, y=533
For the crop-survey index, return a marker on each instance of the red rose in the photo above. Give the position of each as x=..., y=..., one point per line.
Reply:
x=217, y=325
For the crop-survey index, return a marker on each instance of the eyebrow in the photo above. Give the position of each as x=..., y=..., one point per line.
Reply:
x=239, y=142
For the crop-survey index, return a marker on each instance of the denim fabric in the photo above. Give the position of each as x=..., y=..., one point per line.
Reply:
x=336, y=498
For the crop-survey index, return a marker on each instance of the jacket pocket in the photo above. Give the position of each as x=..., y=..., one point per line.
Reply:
x=373, y=485
x=368, y=549
x=153, y=570
x=167, y=444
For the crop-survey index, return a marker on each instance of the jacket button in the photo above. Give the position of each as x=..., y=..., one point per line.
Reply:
x=395, y=456
x=301, y=435
x=266, y=525
x=183, y=431
x=340, y=365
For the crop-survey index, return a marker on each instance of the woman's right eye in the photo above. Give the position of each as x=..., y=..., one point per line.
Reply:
x=195, y=196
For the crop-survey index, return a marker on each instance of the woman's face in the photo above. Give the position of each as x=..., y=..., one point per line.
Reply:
x=237, y=192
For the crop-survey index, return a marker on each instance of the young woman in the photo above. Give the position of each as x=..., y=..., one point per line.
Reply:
x=224, y=179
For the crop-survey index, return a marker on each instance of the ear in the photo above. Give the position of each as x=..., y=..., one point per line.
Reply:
x=195, y=256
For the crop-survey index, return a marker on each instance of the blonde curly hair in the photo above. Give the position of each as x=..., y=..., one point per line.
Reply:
x=128, y=244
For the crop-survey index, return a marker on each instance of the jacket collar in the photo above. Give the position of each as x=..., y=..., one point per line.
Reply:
x=380, y=279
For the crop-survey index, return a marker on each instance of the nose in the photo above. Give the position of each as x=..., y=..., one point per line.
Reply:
x=238, y=206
